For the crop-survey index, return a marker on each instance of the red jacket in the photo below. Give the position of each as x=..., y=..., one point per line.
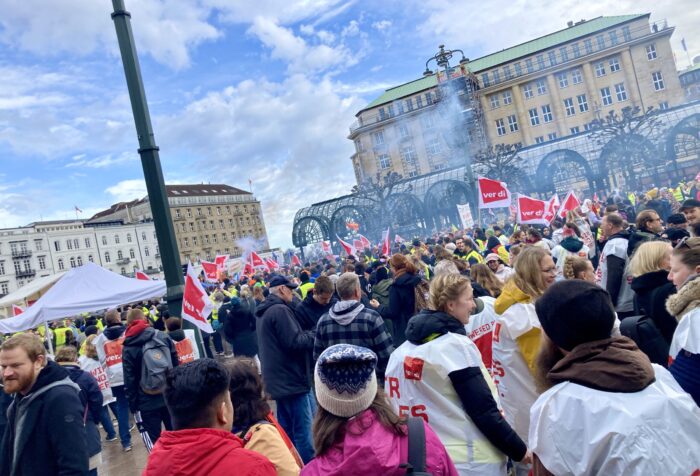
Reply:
x=204, y=452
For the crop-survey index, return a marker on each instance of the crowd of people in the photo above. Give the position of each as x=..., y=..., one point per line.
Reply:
x=567, y=349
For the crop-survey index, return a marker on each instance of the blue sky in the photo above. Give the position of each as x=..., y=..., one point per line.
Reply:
x=238, y=89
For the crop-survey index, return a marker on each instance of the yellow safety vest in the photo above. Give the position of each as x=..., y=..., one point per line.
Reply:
x=474, y=254
x=60, y=334
x=678, y=192
x=305, y=288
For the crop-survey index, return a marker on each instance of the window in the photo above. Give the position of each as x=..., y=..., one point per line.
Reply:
x=651, y=52
x=518, y=69
x=547, y=113
x=564, y=53
x=384, y=161
x=42, y=262
x=419, y=102
x=494, y=101
x=427, y=121
x=120, y=255
x=620, y=92
x=87, y=242
x=378, y=138
x=576, y=76
x=177, y=213
x=500, y=127
x=527, y=91
x=663, y=105
x=409, y=155
x=658, y=79
x=540, y=61
x=208, y=211
x=91, y=259
x=496, y=76
x=382, y=114
x=132, y=254
x=587, y=127
x=80, y=260
x=38, y=244
x=128, y=237
x=588, y=46
x=541, y=87
x=614, y=64
x=409, y=104
x=189, y=213
x=552, y=58
x=413, y=173
x=221, y=224
x=574, y=130
x=600, y=69
x=507, y=72
x=534, y=117
x=69, y=244
x=390, y=109
x=116, y=239
x=429, y=97
x=528, y=65
x=61, y=266
x=582, y=103
x=539, y=139
x=123, y=271
x=76, y=244
x=626, y=33
x=551, y=136
x=143, y=236
x=433, y=147
x=18, y=267
x=194, y=241
x=187, y=242
x=600, y=41
x=569, y=106
x=563, y=80
x=2, y=267
x=104, y=240
x=403, y=131
x=613, y=37
x=576, y=50
x=513, y=123
x=605, y=96
x=485, y=80
x=213, y=240
x=507, y=97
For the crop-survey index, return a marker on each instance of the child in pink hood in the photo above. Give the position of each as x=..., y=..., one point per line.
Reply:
x=356, y=432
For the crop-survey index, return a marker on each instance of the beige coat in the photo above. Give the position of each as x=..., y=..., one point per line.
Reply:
x=264, y=438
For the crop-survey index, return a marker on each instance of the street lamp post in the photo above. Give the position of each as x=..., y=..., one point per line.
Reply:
x=442, y=58
x=150, y=161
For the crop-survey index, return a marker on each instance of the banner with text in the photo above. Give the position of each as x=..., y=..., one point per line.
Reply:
x=465, y=215
x=531, y=211
x=493, y=194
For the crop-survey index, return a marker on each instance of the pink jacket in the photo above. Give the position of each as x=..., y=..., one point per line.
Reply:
x=370, y=448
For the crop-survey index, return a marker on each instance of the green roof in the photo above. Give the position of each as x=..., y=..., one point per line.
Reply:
x=510, y=54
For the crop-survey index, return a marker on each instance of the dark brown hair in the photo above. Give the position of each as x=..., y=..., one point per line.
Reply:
x=249, y=405
x=329, y=429
x=644, y=217
x=688, y=251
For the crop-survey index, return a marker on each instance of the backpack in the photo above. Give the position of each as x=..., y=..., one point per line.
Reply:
x=416, y=447
x=422, y=296
x=644, y=332
x=155, y=364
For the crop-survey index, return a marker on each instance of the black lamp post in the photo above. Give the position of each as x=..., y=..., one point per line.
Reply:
x=442, y=58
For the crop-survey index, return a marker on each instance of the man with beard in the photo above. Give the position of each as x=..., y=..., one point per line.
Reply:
x=605, y=408
x=45, y=433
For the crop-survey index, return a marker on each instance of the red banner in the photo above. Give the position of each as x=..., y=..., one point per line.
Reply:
x=210, y=270
x=386, y=244
x=196, y=305
x=256, y=260
x=493, y=194
x=16, y=310
x=531, y=211
x=552, y=207
x=349, y=249
x=570, y=203
x=141, y=275
x=220, y=261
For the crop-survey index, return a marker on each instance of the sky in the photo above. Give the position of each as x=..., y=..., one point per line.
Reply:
x=238, y=90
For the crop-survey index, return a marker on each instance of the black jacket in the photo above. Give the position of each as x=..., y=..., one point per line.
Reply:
x=469, y=383
x=114, y=331
x=132, y=355
x=91, y=399
x=637, y=238
x=50, y=438
x=402, y=303
x=309, y=311
x=238, y=316
x=652, y=290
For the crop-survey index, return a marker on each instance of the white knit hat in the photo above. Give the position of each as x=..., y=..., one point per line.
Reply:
x=345, y=379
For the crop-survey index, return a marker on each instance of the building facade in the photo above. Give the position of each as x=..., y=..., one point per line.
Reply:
x=542, y=90
x=209, y=220
x=690, y=80
x=44, y=248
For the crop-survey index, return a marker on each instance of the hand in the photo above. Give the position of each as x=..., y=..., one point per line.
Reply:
x=374, y=303
x=527, y=459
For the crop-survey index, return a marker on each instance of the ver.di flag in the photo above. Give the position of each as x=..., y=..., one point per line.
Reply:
x=220, y=261
x=493, y=194
x=569, y=204
x=196, y=305
x=531, y=211
x=349, y=249
x=552, y=207
x=256, y=260
x=210, y=270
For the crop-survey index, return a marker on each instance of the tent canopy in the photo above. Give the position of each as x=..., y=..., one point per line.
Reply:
x=30, y=292
x=87, y=288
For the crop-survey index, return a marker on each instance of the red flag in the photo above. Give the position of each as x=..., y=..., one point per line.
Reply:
x=271, y=264
x=220, y=261
x=365, y=242
x=531, y=211
x=248, y=269
x=552, y=207
x=349, y=249
x=326, y=246
x=16, y=310
x=296, y=261
x=196, y=305
x=493, y=194
x=209, y=270
x=570, y=203
x=256, y=260
x=358, y=245
x=141, y=275
x=386, y=245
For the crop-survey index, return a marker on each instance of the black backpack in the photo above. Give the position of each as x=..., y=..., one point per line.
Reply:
x=647, y=336
x=416, y=447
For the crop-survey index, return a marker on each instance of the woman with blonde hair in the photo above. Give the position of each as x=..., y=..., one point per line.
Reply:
x=462, y=408
x=483, y=276
x=516, y=338
x=576, y=267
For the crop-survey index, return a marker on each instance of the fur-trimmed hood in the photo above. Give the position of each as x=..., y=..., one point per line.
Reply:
x=686, y=299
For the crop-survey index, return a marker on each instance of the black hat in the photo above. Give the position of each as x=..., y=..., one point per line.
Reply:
x=690, y=203
x=574, y=312
x=676, y=219
x=279, y=280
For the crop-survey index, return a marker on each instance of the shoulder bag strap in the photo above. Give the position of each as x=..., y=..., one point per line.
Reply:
x=416, y=445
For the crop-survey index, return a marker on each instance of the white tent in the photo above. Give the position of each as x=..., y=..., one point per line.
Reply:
x=87, y=288
x=30, y=292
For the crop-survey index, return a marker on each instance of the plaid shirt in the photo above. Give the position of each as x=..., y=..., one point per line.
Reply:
x=367, y=329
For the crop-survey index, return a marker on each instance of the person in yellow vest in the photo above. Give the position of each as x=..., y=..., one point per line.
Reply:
x=468, y=251
x=63, y=335
x=306, y=284
x=679, y=192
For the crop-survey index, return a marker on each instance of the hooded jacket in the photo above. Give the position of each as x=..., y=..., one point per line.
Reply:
x=638, y=237
x=238, y=317
x=205, y=452
x=137, y=334
x=367, y=447
x=612, y=412
x=569, y=246
x=652, y=291
x=380, y=291
x=402, y=304
x=91, y=399
x=45, y=433
x=282, y=346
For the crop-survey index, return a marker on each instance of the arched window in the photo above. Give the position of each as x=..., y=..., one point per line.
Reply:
x=146, y=251
x=116, y=239
x=128, y=237
x=90, y=259
x=107, y=258
x=120, y=255
x=60, y=264
x=123, y=271
x=104, y=240
x=72, y=262
x=80, y=260
x=132, y=254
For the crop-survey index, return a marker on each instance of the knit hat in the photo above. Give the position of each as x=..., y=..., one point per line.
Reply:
x=574, y=312
x=382, y=273
x=492, y=257
x=451, y=247
x=345, y=379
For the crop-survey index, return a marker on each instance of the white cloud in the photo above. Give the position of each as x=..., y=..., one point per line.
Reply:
x=127, y=190
x=284, y=11
x=351, y=29
x=103, y=161
x=382, y=25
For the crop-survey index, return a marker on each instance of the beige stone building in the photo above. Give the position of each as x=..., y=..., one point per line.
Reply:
x=542, y=90
x=209, y=219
